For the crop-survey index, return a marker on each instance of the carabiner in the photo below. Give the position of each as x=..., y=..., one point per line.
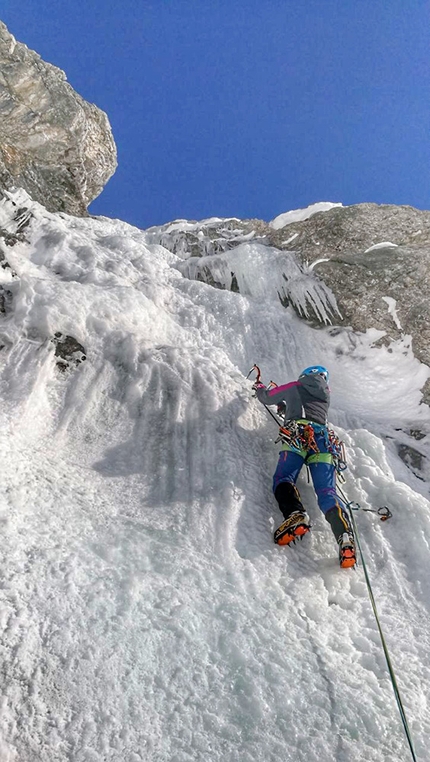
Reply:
x=384, y=513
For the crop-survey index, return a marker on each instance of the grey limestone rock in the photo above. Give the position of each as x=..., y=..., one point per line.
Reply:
x=365, y=280
x=68, y=351
x=54, y=144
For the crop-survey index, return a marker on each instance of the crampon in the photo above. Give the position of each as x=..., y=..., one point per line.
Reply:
x=292, y=529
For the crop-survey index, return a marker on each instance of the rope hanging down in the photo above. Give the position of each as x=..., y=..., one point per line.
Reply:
x=381, y=634
x=384, y=514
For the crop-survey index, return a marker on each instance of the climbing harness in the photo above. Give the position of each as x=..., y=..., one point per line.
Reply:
x=298, y=436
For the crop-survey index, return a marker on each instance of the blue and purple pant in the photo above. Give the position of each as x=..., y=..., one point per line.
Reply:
x=321, y=467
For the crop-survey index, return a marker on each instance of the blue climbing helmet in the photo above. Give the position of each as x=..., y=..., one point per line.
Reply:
x=318, y=370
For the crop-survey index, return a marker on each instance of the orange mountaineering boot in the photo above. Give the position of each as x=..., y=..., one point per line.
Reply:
x=293, y=528
x=347, y=557
x=342, y=530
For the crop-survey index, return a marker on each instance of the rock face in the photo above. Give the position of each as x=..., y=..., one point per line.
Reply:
x=376, y=260
x=55, y=145
x=68, y=351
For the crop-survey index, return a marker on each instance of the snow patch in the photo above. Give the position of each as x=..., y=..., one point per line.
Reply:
x=298, y=215
x=285, y=243
x=382, y=245
x=392, y=310
x=317, y=262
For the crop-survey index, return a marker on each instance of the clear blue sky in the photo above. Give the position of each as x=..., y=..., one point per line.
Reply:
x=247, y=108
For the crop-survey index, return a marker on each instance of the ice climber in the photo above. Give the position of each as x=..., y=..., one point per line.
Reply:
x=304, y=405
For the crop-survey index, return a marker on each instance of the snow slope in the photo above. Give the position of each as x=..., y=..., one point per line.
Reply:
x=145, y=612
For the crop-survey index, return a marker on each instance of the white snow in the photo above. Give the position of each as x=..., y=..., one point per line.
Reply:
x=317, y=262
x=298, y=215
x=290, y=239
x=392, y=310
x=382, y=245
x=145, y=612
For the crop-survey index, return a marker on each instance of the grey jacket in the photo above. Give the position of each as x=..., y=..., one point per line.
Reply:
x=307, y=399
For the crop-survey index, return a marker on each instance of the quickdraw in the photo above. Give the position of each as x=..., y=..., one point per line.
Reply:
x=337, y=449
x=383, y=512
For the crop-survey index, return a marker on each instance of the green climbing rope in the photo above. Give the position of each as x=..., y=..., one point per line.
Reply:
x=381, y=634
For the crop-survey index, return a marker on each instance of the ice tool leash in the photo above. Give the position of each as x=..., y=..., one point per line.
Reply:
x=295, y=438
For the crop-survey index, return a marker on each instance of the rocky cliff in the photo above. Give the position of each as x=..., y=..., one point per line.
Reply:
x=54, y=144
